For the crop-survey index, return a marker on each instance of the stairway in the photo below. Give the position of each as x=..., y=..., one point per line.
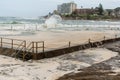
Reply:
x=12, y=53
x=20, y=48
x=20, y=55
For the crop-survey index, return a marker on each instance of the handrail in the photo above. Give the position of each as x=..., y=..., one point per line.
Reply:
x=11, y=39
x=10, y=43
x=32, y=48
x=18, y=52
x=19, y=47
x=28, y=46
x=27, y=50
x=39, y=41
x=36, y=46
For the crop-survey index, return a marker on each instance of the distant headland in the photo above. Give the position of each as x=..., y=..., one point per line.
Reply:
x=69, y=11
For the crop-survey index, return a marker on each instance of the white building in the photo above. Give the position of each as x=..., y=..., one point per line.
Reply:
x=117, y=12
x=66, y=8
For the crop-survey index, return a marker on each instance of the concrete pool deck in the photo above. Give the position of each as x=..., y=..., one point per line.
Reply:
x=59, y=39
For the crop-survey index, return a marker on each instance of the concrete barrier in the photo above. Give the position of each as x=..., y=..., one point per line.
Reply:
x=57, y=52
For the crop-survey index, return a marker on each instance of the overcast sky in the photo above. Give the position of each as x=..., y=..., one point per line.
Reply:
x=34, y=8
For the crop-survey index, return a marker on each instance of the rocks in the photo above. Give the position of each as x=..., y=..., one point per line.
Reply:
x=100, y=71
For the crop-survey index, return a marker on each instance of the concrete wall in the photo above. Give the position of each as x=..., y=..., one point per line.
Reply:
x=54, y=53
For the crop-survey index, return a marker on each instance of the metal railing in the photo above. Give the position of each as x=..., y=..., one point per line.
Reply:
x=34, y=48
x=19, y=46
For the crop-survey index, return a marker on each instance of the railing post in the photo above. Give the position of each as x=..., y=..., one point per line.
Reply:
x=12, y=43
x=25, y=45
x=1, y=42
x=36, y=47
x=36, y=50
x=89, y=40
x=115, y=36
x=43, y=47
x=69, y=44
x=24, y=52
x=33, y=49
x=104, y=37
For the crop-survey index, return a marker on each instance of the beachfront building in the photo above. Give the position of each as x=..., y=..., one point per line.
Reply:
x=113, y=12
x=117, y=12
x=66, y=8
x=85, y=11
x=109, y=12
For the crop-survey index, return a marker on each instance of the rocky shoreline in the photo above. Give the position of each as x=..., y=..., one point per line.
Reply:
x=106, y=70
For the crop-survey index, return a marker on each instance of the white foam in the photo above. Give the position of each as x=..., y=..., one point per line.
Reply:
x=49, y=69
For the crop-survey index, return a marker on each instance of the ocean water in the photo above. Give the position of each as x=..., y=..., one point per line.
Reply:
x=12, y=26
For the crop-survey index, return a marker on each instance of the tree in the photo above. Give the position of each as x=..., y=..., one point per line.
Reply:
x=55, y=12
x=100, y=9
